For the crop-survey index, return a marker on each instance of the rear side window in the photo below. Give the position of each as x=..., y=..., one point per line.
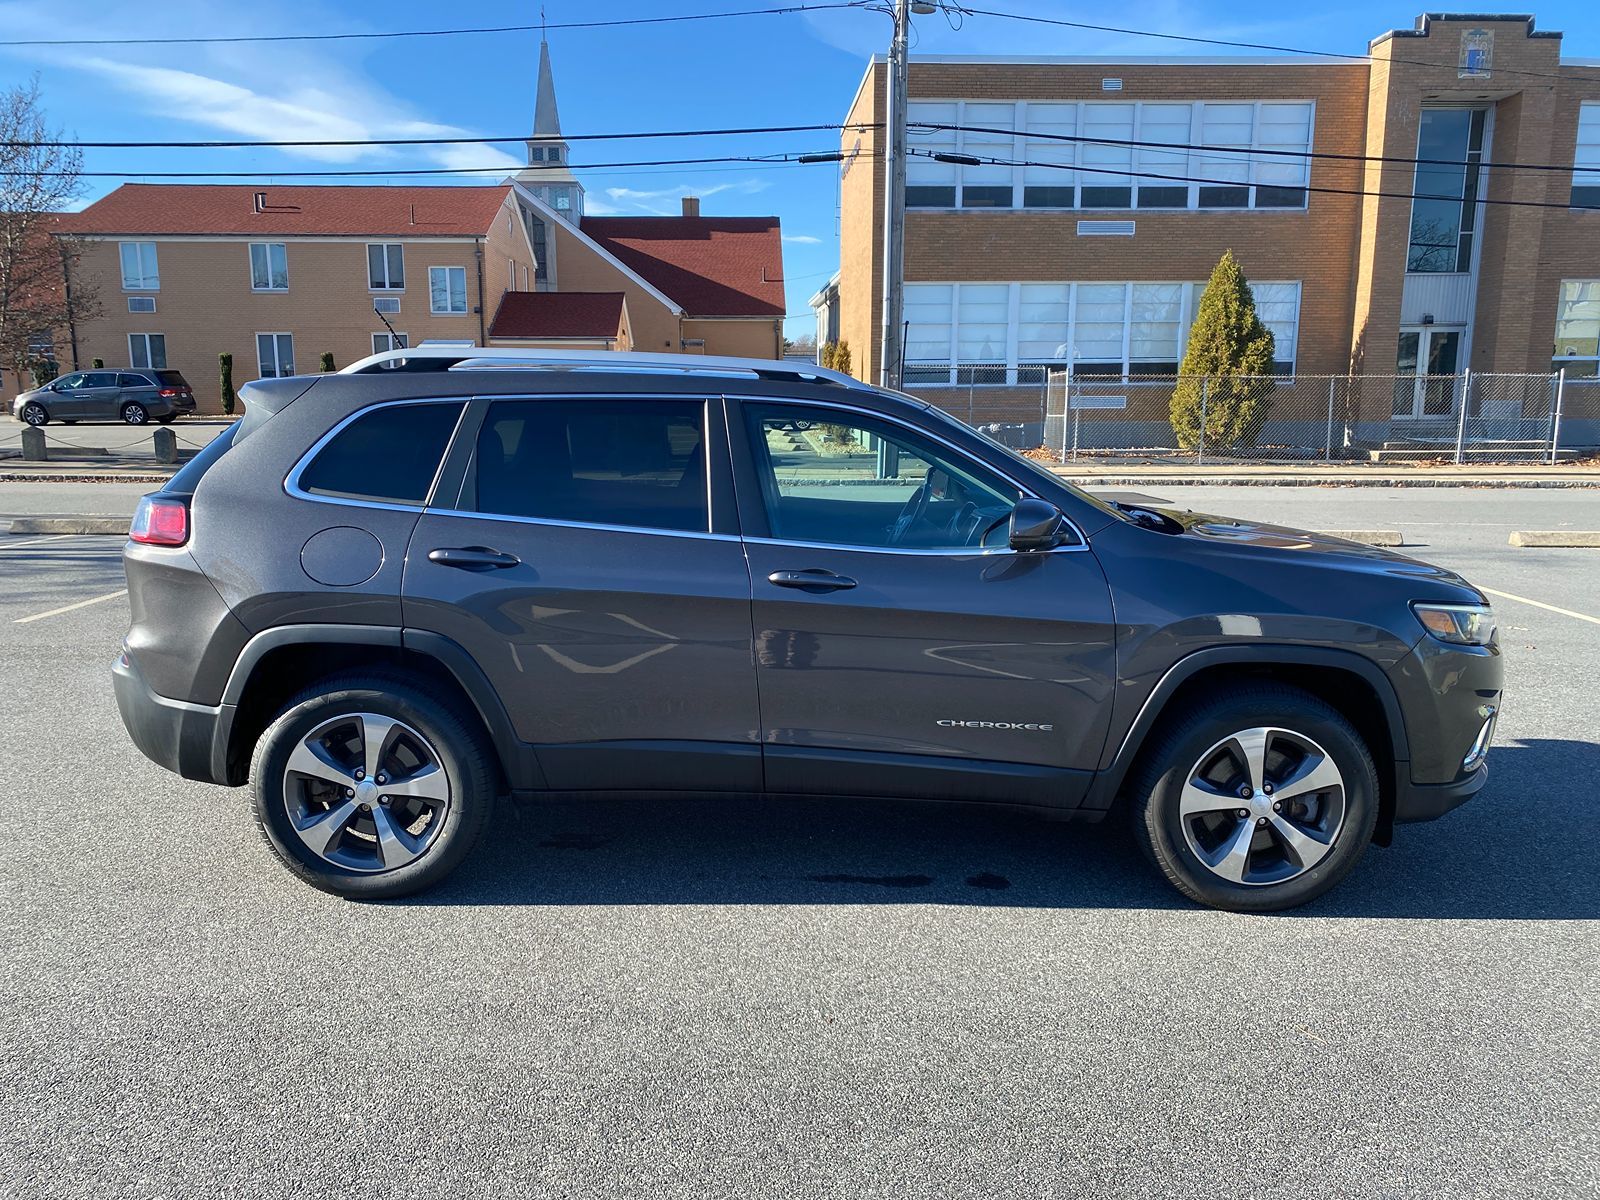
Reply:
x=132, y=381
x=639, y=463
x=389, y=454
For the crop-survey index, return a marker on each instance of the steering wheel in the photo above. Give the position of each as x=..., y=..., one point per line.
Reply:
x=910, y=513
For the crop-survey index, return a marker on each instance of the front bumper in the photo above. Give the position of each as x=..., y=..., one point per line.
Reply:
x=1430, y=801
x=190, y=739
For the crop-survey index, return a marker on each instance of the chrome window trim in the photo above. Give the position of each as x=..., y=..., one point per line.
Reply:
x=952, y=552
x=291, y=483
x=554, y=523
x=1022, y=488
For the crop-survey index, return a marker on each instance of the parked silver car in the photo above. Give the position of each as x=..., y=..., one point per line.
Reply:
x=132, y=396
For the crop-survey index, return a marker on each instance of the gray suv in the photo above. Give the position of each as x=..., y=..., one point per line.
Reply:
x=389, y=596
x=133, y=396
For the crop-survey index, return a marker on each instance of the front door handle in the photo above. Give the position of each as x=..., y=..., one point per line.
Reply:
x=472, y=558
x=814, y=580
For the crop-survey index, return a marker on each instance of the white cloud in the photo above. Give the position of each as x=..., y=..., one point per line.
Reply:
x=666, y=201
x=802, y=239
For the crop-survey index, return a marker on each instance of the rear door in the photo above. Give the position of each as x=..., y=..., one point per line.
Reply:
x=96, y=399
x=591, y=565
x=133, y=386
x=902, y=647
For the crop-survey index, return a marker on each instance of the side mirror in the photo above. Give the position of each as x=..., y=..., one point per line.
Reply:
x=1035, y=524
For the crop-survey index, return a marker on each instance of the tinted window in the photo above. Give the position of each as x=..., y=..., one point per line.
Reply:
x=844, y=479
x=73, y=381
x=99, y=379
x=603, y=462
x=390, y=454
x=132, y=381
x=172, y=379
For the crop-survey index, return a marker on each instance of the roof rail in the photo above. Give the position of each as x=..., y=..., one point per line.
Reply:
x=460, y=358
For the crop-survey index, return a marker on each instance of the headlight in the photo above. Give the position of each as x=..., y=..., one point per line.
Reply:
x=1458, y=624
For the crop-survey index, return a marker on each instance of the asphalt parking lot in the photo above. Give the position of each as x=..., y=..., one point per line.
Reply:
x=737, y=998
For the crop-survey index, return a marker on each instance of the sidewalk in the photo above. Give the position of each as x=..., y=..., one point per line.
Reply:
x=1329, y=475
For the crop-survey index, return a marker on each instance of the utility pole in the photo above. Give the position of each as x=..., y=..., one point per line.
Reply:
x=894, y=200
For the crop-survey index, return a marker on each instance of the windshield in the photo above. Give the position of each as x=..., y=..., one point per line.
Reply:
x=1028, y=469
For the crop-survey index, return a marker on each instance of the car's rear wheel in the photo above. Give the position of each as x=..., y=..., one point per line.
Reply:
x=1256, y=799
x=167, y=420
x=367, y=788
x=34, y=414
x=135, y=413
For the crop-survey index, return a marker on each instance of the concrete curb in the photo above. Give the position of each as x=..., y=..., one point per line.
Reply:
x=154, y=481
x=1569, y=538
x=1386, y=481
x=1370, y=537
x=78, y=524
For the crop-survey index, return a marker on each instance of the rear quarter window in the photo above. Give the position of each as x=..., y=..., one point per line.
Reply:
x=387, y=455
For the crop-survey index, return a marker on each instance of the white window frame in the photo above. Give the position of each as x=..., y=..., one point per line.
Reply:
x=148, y=277
x=277, y=358
x=1557, y=358
x=448, y=312
x=389, y=285
x=149, y=364
x=1077, y=175
x=1586, y=149
x=1188, y=305
x=386, y=341
x=136, y=304
x=266, y=249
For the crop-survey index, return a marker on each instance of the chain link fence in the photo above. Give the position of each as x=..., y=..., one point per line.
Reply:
x=1471, y=417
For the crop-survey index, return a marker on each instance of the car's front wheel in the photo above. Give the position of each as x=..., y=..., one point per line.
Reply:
x=1256, y=799
x=135, y=413
x=34, y=414
x=368, y=788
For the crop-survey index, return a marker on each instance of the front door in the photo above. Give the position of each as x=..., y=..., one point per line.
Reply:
x=901, y=647
x=591, y=566
x=1427, y=369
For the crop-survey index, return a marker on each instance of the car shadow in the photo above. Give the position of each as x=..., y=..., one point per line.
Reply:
x=1524, y=849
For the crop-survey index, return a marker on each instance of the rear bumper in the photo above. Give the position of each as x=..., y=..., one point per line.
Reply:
x=1430, y=801
x=190, y=739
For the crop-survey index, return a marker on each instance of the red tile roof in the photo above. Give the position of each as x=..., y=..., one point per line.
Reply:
x=333, y=211
x=557, y=315
x=709, y=266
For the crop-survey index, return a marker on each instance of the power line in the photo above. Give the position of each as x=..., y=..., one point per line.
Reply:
x=440, y=141
x=1226, y=151
x=1131, y=173
x=1186, y=37
x=771, y=160
x=432, y=33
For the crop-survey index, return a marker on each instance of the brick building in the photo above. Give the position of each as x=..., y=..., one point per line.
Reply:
x=1144, y=170
x=279, y=275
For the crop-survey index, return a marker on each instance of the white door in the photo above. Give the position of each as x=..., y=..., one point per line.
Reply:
x=1427, y=367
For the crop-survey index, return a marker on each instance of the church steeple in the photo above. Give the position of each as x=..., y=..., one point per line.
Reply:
x=546, y=174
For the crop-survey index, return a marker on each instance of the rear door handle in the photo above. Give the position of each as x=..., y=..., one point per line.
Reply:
x=472, y=558
x=814, y=580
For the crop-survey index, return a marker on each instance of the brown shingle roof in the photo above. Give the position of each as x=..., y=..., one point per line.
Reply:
x=557, y=314
x=154, y=209
x=709, y=266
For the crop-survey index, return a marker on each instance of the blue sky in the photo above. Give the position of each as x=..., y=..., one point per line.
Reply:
x=764, y=70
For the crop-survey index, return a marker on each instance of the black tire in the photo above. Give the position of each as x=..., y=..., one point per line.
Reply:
x=33, y=413
x=463, y=753
x=167, y=420
x=64, y=421
x=1181, y=744
x=134, y=413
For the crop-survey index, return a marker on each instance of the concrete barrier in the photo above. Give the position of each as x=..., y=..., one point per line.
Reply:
x=76, y=523
x=1556, y=538
x=1371, y=537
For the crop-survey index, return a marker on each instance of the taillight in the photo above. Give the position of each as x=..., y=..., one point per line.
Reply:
x=169, y=393
x=160, y=521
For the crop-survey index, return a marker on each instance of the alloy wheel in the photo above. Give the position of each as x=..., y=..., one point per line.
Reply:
x=34, y=414
x=1262, y=806
x=366, y=792
x=135, y=414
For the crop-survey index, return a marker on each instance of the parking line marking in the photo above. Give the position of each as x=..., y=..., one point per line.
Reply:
x=1565, y=612
x=54, y=537
x=66, y=608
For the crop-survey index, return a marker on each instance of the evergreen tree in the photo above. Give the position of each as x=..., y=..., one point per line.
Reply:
x=327, y=362
x=225, y=364
x=1230, y=356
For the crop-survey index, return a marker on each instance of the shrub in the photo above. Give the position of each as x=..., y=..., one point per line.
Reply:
x=1230, y=357
x=44, y=370
x=327, y=362
x=98, y=363
x=225, y=364
x=836, y=356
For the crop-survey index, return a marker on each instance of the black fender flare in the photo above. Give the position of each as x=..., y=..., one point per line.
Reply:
x=1108, y=782
x=517, y=759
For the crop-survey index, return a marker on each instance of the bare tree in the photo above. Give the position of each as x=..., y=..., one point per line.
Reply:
x=41, y=296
